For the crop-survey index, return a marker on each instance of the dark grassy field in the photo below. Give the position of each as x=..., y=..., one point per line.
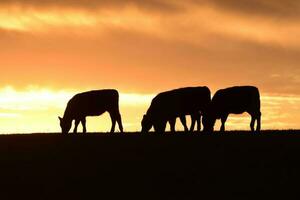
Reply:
x=170, y=166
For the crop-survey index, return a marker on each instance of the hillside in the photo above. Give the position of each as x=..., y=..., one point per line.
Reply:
x=171, y=166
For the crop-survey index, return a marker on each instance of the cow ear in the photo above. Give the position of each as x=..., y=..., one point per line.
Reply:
x=59, y=118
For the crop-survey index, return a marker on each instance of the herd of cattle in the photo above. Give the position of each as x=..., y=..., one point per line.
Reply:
x=167, y=106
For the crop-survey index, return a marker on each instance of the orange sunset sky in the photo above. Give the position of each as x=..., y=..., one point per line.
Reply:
x=50, y=50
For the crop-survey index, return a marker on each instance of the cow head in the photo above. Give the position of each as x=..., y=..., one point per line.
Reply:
x=146, y=124
x=65, y=125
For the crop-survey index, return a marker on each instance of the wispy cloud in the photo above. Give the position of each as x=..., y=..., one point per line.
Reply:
x=9, y=115
x=194, y=22
x=91, y=5
x=277, y=9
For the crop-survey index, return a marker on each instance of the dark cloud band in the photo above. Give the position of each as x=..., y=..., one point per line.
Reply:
x=269, y=8
x=152, y=5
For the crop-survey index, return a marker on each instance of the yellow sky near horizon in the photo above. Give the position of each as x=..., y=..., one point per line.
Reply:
x=51, y=50
x=36, y=110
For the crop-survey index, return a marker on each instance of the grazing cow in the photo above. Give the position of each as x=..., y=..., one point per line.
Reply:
x=92, y=103
x=167, y=106
x=235, y=100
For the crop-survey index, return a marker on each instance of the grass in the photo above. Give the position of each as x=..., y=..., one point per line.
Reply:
x=171, y=166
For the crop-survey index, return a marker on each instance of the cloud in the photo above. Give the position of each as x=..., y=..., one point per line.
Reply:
x=276, y=8
x=50, y=43
x=146, y=5
x=140, y=62
x=189, y=23
x=9, y=115
x=281, y=10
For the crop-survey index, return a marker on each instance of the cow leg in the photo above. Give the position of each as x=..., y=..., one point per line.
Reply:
x=199, y=123
x=255, y=116
x=223, y=120
x=197, y=119
x=258, y=122
x=193, y=121
x=183, y=121
x=76, y=125
x=83, y=122
x=160, y=127
x=252, y=123
x=172, y=124
x=113, y=122
x=119, y=120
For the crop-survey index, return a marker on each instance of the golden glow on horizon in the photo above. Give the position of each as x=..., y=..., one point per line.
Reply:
x=36, y=110
x=37, y=97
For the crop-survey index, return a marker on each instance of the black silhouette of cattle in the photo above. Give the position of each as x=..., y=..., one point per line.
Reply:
x=167, y=106
x=235, y=100
x=91, y=103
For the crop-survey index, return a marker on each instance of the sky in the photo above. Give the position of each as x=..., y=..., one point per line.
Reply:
x=50, y=50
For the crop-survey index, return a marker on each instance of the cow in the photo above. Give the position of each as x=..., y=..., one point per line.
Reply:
x=91, y=103
x=169, y=105
x=233, y=100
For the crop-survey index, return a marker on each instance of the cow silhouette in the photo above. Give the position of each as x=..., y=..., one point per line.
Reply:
x=169, y=105
x=91, y=103
x=235, y=100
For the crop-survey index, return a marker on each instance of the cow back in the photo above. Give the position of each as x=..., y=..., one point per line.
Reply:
x=178, y=102
x=92, y=103
x=236, y=100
